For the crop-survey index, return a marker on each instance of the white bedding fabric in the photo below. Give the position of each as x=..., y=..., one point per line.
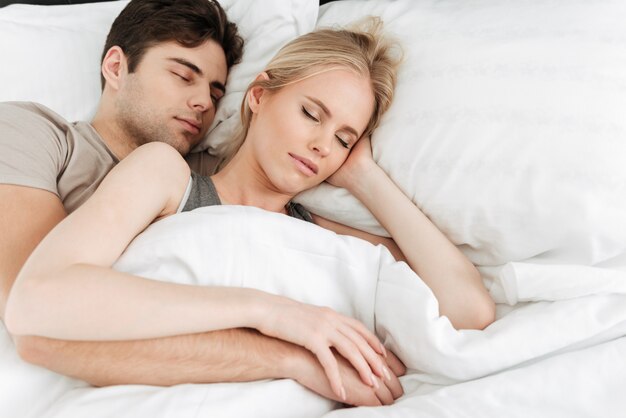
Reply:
x=562, y=356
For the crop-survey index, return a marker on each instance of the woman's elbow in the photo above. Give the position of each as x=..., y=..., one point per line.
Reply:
x=485, y=313
x=480, y=314
x=474, y=309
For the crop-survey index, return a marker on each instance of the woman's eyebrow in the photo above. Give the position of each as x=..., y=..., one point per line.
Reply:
x=330, y=115
x=193, y=67
x=320, y=104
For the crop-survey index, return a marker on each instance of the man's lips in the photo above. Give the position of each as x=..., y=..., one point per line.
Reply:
x=305, y=165
x=190, y=125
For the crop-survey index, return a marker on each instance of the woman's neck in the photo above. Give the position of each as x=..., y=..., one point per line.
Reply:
x=243, y=182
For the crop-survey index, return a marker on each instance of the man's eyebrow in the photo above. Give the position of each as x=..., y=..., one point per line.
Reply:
x=330, y=115
x=193, y=67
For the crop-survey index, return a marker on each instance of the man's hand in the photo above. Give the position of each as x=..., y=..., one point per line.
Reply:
x=308, y=372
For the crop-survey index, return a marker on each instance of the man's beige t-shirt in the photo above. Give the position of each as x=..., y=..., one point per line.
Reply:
x=40, y=149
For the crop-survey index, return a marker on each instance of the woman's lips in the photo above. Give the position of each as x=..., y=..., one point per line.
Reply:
x=306, y=166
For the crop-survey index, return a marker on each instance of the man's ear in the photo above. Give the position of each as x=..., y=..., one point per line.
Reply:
x=114, y=66
x=256, y=93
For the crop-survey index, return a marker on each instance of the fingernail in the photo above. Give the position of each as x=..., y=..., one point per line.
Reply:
x=384, y=350
x=374, y=381
x=343, y=394
x=386, y=373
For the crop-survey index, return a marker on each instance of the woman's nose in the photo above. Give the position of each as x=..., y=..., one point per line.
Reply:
x=321, y=146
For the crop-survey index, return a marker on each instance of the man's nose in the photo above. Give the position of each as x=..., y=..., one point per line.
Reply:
x=201, y=100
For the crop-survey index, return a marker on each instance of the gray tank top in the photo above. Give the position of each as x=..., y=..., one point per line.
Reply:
x=203, y=193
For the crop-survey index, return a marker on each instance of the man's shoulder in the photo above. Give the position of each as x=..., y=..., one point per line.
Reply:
x=28, y=115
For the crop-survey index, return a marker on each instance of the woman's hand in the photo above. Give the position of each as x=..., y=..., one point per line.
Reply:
x=306, y=370
x=359, y=162
x=319, y=329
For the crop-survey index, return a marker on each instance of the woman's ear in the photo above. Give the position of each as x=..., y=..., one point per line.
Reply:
x=256, y=93
x=114, y=67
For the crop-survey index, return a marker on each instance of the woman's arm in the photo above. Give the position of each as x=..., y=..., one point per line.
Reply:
x=454, y=280
x=68, y=290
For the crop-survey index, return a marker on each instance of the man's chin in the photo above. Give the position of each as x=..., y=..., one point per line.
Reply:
x=191, y=143
x=183, y=143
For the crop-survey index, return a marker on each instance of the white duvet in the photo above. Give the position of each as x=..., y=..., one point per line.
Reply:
x=249, y=247
x=562, y=354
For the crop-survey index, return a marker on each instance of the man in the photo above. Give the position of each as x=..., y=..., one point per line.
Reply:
x=163, y=74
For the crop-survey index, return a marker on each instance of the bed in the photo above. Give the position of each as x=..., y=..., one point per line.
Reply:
x=507, y=130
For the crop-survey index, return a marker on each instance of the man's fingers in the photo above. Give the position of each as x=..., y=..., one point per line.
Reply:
x=394, y=363
x=366, y=397
x=394, y=387
x=384, y=394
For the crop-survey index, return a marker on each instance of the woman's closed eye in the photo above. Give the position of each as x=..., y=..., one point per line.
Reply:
x=309, y=114
x=342, y=142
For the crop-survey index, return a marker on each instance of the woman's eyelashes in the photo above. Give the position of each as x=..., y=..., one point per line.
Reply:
x=342, y=142
x=309, y=115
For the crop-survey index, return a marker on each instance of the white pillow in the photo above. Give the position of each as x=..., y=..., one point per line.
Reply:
x=508, y=128
x=51, y=54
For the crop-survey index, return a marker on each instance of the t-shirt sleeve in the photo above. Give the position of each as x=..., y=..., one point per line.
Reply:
x=32, y=147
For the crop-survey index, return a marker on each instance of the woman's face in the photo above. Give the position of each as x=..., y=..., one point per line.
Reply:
x=301, y=134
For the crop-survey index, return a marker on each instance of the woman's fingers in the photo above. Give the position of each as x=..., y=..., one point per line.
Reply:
x=350, y=351
x=331, y=368
x=367, y=352
x=356, y=344
x=320, y=329
x=369, y=336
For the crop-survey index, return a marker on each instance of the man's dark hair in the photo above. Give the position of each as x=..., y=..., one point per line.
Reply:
x=146, y=23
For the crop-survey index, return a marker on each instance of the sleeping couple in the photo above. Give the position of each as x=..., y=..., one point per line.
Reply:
x=74, y=195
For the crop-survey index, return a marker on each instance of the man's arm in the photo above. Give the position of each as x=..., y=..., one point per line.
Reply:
x=26, y=216
x=235, y=355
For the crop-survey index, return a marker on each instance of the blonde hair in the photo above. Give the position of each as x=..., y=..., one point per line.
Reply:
x=361, y=48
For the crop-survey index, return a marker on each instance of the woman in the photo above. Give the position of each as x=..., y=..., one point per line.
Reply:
x=306, y=119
